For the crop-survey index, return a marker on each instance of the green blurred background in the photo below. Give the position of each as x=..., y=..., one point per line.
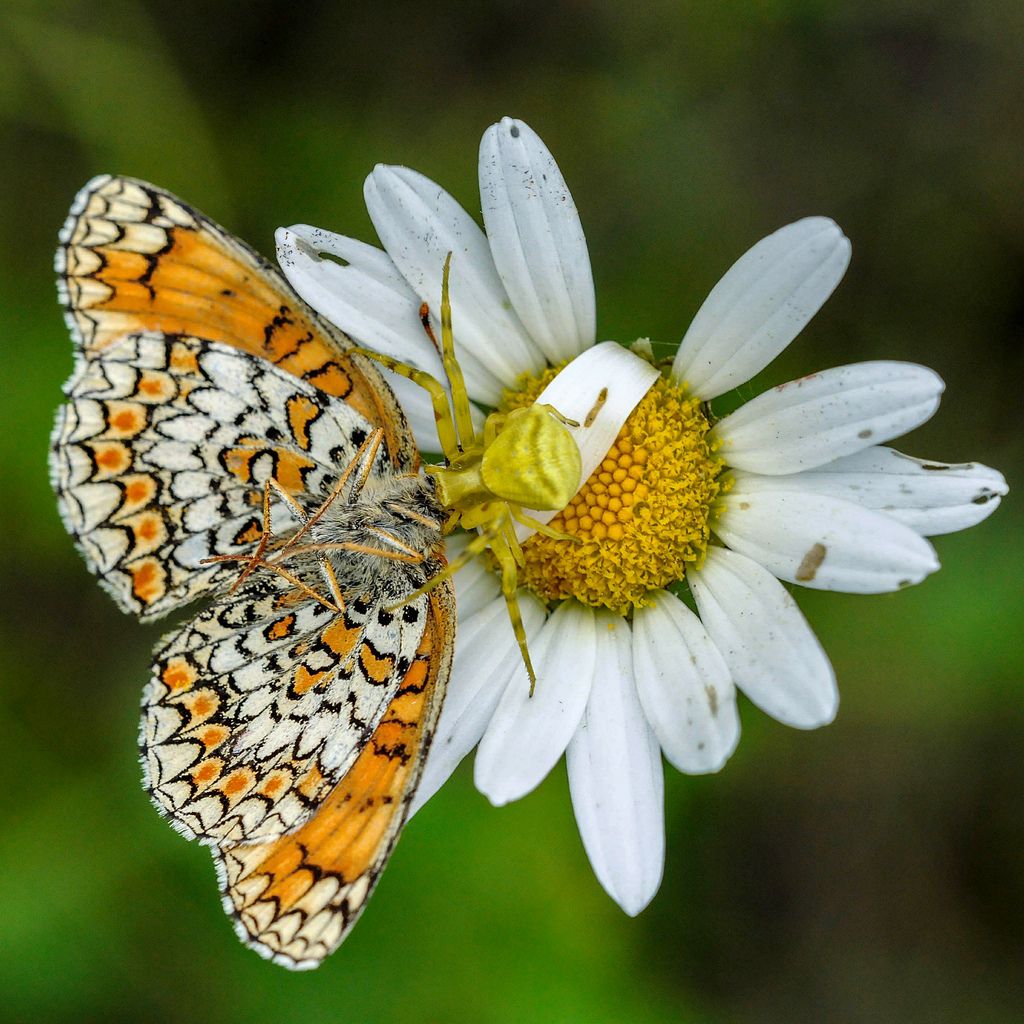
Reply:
x=870, y=871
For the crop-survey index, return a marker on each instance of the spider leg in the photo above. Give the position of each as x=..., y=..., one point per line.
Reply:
x=460, y=397
x=548, y=531
x=573, y=423
x=446, y=429
x=509, y=577
x=492, y=427
x=511, y=541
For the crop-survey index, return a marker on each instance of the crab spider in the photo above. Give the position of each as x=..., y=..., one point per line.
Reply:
x=522, y=459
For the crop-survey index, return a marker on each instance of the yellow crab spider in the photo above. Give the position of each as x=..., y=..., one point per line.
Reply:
x=522, y=459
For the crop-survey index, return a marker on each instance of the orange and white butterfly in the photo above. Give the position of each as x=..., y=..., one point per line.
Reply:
x=286, y=725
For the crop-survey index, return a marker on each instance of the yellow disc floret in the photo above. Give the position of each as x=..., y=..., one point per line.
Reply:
x=641, y=518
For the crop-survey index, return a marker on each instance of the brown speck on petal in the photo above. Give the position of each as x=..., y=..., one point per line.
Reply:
x=811, y=563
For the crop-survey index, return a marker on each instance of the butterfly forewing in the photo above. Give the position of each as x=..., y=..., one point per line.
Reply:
x=135, y=258
x=161, y=456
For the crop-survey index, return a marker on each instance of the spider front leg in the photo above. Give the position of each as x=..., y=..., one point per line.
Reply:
x=447, y=432
x=543, y=528
x=492, y=427
x=560, y=416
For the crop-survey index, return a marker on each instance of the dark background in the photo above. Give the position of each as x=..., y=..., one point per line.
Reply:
x=871, y=871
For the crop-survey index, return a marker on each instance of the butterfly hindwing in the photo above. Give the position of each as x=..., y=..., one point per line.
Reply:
x=261, y=704
x=294, y=899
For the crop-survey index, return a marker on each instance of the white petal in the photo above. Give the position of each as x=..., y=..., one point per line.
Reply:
x=419, y=224
x=537, y=240
x=475, y=584
x=684, y=686
x=486, y=658
x=819, y=541
x=929, y=497
x=811, y=421
x=367, y=298
x=761, y=305
x=527, y=735
x=615, y=777
x=773, y=655
x=607, y=378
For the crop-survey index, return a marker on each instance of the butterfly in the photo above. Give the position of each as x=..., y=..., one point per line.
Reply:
x=222, y=443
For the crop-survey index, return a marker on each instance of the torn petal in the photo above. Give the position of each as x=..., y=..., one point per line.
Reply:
x=366, y=296
x=419, y=223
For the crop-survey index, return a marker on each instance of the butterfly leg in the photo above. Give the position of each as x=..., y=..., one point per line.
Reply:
x=256, y=559
x=408, y=556
x=364, y=457
x=366, y=454
x=261, y=547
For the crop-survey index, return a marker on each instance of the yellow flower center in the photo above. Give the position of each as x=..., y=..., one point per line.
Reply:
x=641, y=517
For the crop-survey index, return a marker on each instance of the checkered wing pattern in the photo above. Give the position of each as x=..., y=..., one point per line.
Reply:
x=134, y=258
x=294, y=899
x=261, y=704
x=160, y=458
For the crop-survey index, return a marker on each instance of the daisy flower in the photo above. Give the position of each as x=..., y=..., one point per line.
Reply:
x=796, y=486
